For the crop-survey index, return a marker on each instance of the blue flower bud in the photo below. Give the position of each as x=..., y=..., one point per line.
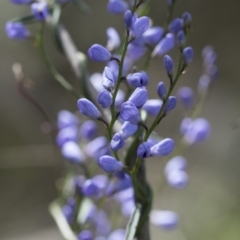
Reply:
x=127, y=208
x=21, y=1
x=152, y=141
x=203, y=83
x=181, y=38
x=139, y=27
x=108, y=78
x=163, y=148
x=176, y=25
x=79, y=181
x=117, y=142
x=130, y=113
x=175, y=164
x=177, y=179
x=117, y=6
x=134, y=52
x=187, y=18
x=105, y=99
x=97, y=147
x=124, y=195
x=99, y=53
x=113, y=39
x=139, y=97
x=40, y=10
x=139, y=79
x=161, y=90
x=168, y=64
x=16, y=30
x=88, y=130
x=128, y=19
x=186, y=122
x=128, y=129
x=67, y=134
x=187, y=55
x=209, y=55
x=85, y=235
x=118, y=234
x=96, y=81
x=102, y=223
x=87, y=108
x=152, y=107
x=119, y=98
x=165, y=45
x=143, y=150
x=153, y=35
x=72, y=152
x=110, y=164
x=212, y=71
x=66, y=119
x=170, y=105
x=101, y=181
x=185, y=95
x=198, y=131
x=68, y=213
x=164, y=219
x=90, y=189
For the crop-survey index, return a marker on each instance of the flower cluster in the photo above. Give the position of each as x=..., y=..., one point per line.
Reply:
x=109, y=168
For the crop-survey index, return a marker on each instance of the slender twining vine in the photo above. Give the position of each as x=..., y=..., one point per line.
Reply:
x=116, y=204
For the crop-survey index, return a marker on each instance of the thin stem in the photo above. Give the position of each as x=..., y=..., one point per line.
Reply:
x=58, y=77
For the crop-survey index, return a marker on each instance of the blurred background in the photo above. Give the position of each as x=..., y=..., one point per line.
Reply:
x=30, y=163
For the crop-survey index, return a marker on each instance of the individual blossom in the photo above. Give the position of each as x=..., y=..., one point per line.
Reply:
x=101, y=181
x=165, y=45
x=139, y=97
x=127, y=208
x=138, y=79
x=96, y=81
x=87, y=108
x=66, y=119
x=124, y=195
x=161, y=90
x=170, y=104
x=40, y=10
x=203, y=83
x=118, y=234
x=99, y=53
x=79, y=181
x=135, y=52
x=139, y=26
x=110, y=164
x=152, y=140
x=177, y=179
x=68, y=213
x=67, y=134
x=128, y=129
x=186, y=122
x=143, y=150
x=117, y=6
x=163, y=148
x=181, y=38
x=187, y=18
x=72, y=152
x=177, y=163
x=152, y=107
x=187, y=55
x=85, y=235
x=108, y=78
x=153, y=35
x=16, y=30
x=168, y=65
x=88, y=130
x=105, y=99
x=164, y=219
x=90, y=189
x=102, y=223
x=113, y=39
x=185, y=94
x=176, y=25
x=97, y=147
x=129, y=112
x=117, y=142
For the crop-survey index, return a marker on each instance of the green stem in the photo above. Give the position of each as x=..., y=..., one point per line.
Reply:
x=58, y=77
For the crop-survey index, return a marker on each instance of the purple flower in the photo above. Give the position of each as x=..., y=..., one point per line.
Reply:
x=40, y=10
x=168, y=64
x=85, y=235
x=66, y=119
x=165, y=219
x=203, y=83
x=181, y=38
x=161, y=90
x=143, y=150
x=128, y=129
x=128, y=19
x=117, y=6
x=110, y=164
x=117, y=142
x=153, y=35
x=152, y=107
x=139, y=27
x=138, y=79
x=187, y=18
x=72, y=152
x=187, y=55
x=152, y=141
x=127, y=208
x=124, y=195
x=177, y=179
x=139, y=97
x=101, y=181
x=21, y=1
x=103, y=225
x=68, y=212
x=87, y=108
x=113, y=39
x=163, y=148
x=170, y=105
x=97, y=147
x=105, y=99
x=108, y=78
x=186, y=122
x=185, y=95
x=165, y=45
x=134, y=52
x=176, y=25
x=175, y=164
x=67, y=134
x=16, y=30
x=130, y=113
x=90, y=189
x=118, y=234
x=99, y=53
x=198, y=131
x=88, y=130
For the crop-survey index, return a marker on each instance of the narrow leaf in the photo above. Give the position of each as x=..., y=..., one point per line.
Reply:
x=132, y=223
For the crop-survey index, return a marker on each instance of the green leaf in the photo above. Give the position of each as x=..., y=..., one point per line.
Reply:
x=55, y=24
x=132, y=223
